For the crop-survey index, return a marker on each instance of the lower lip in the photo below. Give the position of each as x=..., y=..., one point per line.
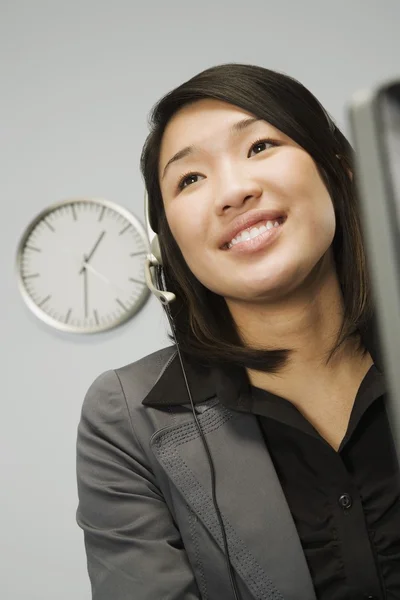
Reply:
x=261, y=241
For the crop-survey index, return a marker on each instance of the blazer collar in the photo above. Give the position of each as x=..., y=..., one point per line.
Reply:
x=227, y=382
x=170, y=388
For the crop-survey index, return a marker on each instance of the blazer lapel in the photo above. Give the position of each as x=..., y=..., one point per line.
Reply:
x=265, y=549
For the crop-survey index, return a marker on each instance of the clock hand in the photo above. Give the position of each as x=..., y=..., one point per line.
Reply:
x=87, y=266
x=85, y=290
x=89, y=256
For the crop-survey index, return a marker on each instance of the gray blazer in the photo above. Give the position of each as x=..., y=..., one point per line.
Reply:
x=145, y=496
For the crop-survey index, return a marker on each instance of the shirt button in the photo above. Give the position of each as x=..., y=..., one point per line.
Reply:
x=345, y=501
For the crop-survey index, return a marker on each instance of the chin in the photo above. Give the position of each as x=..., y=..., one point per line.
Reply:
x=263, y=289
x=250, y=284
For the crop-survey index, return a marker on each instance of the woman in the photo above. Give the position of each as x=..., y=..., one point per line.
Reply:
x=251, y=192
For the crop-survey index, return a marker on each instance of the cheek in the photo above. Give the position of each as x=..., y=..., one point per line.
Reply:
x=307, y=195
x=299, y=176
x=189, y=229
x=191, y=236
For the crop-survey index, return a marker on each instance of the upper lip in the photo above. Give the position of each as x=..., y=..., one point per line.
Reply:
x=247, y=220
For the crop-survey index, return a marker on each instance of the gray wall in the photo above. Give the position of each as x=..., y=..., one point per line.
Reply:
x=78, y=79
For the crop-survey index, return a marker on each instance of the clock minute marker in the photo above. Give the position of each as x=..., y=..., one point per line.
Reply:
x=137, y=253
x=48, y=225
x=121, y=304
x=125, y=229
x=136, y=280
x=103, y=210
x=73, y=209
x=44, y=300
x=31, y=276
x=68, y=315
x=96, y=317
x=33, y=248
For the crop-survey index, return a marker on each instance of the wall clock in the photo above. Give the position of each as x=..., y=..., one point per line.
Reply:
x=80, y=265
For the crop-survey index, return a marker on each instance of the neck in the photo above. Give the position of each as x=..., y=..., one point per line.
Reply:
x=306, y=322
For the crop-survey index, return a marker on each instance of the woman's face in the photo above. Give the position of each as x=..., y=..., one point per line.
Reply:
x=229, y=172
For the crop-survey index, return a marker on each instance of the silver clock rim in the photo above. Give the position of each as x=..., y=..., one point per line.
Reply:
x=43, y=316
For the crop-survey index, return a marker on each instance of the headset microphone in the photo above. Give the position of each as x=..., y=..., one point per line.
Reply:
x=152, y=263
x=154, y=260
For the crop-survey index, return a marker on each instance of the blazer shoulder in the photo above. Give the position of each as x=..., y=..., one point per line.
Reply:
x=134, y=380
x=117, y=393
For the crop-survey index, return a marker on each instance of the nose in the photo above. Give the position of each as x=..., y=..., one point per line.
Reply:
x=234, y=189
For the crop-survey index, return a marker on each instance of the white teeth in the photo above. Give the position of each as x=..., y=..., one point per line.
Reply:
x=252, y=233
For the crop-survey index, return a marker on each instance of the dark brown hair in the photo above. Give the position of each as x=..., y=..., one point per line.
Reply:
x=204, y=327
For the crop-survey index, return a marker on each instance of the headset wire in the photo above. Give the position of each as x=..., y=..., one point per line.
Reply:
x=172, y=325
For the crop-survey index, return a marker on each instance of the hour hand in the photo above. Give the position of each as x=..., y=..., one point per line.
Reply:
x=89, y=256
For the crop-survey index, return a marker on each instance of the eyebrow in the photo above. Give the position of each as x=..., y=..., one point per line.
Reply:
x=236, y=128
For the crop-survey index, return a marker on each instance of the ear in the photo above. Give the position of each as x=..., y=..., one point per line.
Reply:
x=345, y=165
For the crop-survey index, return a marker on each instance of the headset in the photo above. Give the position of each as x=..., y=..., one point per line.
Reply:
x=153, y=267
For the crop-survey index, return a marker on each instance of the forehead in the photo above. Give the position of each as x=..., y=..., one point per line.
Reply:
x=204, y=111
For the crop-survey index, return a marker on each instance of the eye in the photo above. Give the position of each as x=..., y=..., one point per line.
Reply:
x=187, y=179
x=260, y=145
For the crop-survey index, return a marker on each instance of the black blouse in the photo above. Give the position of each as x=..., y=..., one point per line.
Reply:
x=345, y=504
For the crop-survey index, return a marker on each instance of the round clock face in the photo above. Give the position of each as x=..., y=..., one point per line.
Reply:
x=81, y=265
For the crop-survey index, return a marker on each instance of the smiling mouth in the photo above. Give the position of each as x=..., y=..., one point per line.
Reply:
x=254, y=232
